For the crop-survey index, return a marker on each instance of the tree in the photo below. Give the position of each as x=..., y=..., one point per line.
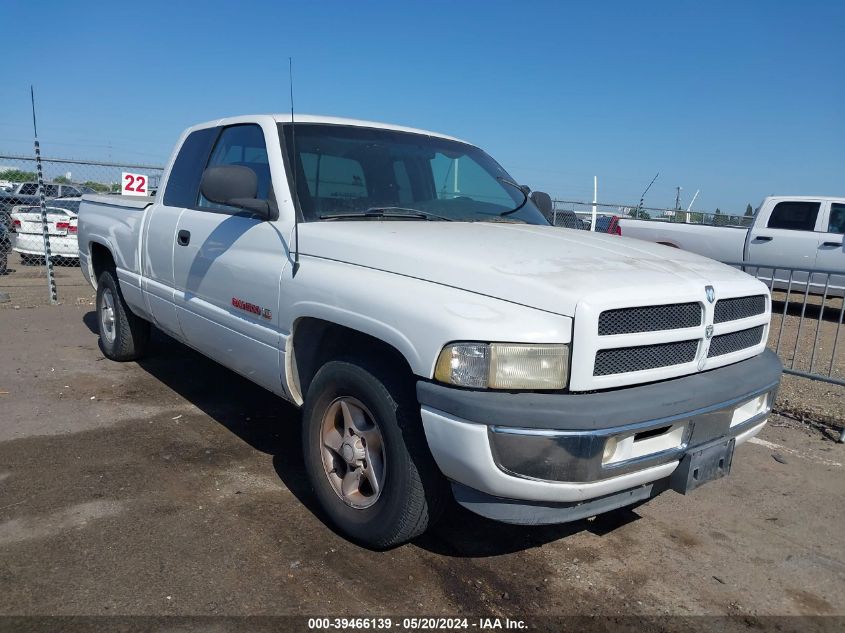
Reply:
x=748, y=219
x=16, y=175
x=97, y=186
x=61, y=180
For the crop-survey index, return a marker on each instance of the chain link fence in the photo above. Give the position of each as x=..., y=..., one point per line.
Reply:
x=578, y=215
x=40, y=251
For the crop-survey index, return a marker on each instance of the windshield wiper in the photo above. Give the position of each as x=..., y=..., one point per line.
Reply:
x=387, y=212
x=521, y=189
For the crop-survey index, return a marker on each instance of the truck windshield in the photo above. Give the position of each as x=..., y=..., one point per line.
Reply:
x=348, y=170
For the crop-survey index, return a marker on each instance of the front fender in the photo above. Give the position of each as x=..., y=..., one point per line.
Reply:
x=414, y=316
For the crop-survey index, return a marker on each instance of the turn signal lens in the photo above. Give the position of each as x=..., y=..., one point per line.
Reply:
x=609, y=449
x=464, y=365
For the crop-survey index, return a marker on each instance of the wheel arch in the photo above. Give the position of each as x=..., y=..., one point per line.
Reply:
x=100, y=259
x=315, y=340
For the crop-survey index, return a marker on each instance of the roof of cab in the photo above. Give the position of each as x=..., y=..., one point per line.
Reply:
x=329, y=120
x=807, y=198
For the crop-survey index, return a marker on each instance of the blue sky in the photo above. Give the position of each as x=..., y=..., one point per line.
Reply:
x=738, y=99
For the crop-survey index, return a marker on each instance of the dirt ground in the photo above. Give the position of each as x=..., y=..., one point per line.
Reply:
x=174, y=487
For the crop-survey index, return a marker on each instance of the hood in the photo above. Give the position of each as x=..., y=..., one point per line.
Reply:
x=543, y=267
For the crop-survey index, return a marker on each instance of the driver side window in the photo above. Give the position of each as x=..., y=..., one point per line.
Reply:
x=836, y=223
x=241, y=145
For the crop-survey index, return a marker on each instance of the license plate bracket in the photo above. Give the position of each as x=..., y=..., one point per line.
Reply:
x=702, y=464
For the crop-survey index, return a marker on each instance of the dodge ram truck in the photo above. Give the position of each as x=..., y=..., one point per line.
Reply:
x=440, y=337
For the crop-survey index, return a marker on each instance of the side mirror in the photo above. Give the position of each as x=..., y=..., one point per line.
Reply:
x=542, y=201
x=234, y=186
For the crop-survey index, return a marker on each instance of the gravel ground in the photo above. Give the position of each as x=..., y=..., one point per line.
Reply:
x=27, y=285
x=800, y=397
x=174, y=487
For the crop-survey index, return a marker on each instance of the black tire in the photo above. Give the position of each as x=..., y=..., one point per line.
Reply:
x=27, y=260
x=413, y=491
x=131, y=334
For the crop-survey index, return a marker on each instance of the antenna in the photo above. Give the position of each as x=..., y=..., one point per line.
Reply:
x=293, y=166
x=642, y=197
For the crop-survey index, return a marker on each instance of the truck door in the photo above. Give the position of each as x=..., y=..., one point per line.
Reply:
x=159, y=231
x=785, y=236
x=227, y=269
x=831, y=252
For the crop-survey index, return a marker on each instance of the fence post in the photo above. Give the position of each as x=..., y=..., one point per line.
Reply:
x=48, y=259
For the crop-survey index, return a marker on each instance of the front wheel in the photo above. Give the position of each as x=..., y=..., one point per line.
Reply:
x=123, y=336
x=366, y=454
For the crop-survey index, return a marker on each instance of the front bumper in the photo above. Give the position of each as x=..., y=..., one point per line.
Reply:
x=549, y=448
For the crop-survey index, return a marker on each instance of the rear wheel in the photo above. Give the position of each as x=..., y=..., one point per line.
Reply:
x=366, y=454
x=123, y=336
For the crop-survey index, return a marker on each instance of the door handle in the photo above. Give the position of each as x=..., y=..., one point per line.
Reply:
x=183, y=238
x=763, y=238
x=834, y=244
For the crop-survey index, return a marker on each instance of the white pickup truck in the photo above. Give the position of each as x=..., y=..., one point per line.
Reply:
x=439, y=335
x=787, y=232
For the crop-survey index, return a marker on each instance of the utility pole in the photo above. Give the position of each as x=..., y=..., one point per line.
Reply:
x=677, y=198
x=638, y=212
x=48, y=257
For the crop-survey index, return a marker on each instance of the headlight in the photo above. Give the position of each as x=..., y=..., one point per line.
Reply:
x=504, y=366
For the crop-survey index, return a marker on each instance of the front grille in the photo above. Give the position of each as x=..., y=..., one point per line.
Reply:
x=649, y=318
x=627, y=359
x=735, y=341
x=739, y=308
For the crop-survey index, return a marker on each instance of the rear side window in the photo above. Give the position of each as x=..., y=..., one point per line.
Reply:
x=329, y=176
x=836, y=224
x=183, y=183
x=28, y=189
x=794, y=215
x=404, y=190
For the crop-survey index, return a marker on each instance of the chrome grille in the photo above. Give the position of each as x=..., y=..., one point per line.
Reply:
x=627, y=359
x=649, y=318
x=735, y=341
x=739, y=308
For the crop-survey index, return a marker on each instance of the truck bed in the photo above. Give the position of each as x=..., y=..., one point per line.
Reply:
x=115, y=223
x=722, y=243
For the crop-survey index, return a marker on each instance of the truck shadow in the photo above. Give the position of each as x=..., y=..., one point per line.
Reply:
x=271, y=425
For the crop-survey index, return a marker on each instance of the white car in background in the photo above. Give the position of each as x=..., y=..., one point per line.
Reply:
x=62, y=218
